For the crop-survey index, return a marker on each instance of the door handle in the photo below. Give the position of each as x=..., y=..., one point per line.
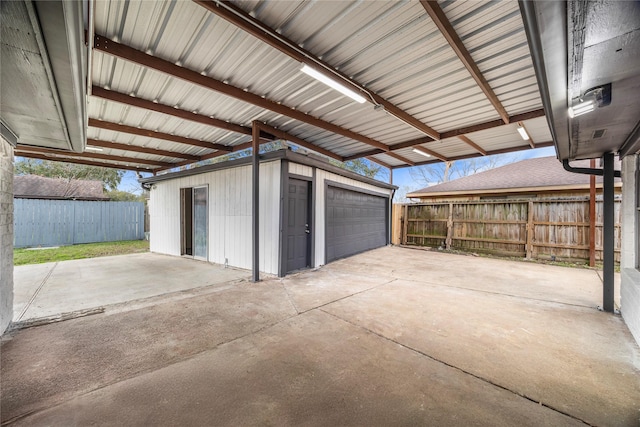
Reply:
x=307, y=231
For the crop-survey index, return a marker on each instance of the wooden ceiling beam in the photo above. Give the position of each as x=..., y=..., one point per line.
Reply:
x=262, y=32
x=93, y=156
x=128, y=53
x=472, y=144
x=21, y=153
x=442, y=22
x=123, y=98
x=140, y=149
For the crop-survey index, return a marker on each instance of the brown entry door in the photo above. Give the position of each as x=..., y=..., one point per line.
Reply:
x=298, y=230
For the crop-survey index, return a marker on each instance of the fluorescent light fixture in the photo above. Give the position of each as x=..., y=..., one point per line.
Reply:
x=523, y=132
x=582, y=108
x=90, y=148
x=332, y=84
x=417, y=150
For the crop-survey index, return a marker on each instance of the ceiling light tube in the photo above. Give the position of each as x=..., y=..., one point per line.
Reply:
x=332, y=84
x=90, y=148
x=582, y=108
x=417, y=150
x=523, y=132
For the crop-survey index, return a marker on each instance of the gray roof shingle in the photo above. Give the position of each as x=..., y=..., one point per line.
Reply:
x=530, y=173
x=40, y=187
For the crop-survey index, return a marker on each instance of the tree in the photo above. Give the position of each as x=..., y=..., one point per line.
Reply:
x=400, y=196
x=438, y=173
x=125, y=196
x=70, y=171
x=363, y=167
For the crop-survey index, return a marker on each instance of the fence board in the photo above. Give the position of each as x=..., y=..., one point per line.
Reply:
x=538, y=228
x=44, y=223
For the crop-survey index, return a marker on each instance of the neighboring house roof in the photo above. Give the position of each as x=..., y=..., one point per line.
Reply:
x=40, y=187
x=539, y=174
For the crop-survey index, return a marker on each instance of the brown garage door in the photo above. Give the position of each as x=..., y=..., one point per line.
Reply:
x=356, y=222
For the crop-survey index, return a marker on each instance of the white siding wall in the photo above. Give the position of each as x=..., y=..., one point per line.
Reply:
x=302, y=170
x=229, y=215
x=629, y=273
x=321, y=177
x=6, y=234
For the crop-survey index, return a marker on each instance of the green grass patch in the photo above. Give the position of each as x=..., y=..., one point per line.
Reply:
x=89, y=250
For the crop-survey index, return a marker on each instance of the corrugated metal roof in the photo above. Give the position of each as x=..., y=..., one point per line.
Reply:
x=391, y=48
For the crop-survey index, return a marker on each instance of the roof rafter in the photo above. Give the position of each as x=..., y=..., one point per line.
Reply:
x=190, y=162
x=92, y=156
x=401, y=158
x=116, y=127
x=531, y=143
x=469, y=129
x=440, y=19
x=123, y=98
x=251, y=25
x=301, y=142
x=392, y=154
x=489, y=153
x=380, y=162
x=140, y=149
x=32, y=155
x=128, y=53
x=469, y=142
x=494, y=123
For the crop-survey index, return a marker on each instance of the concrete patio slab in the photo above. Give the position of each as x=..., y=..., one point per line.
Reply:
x=296, y=373
x=49, y=289
x=365, y=346
x=577, y=286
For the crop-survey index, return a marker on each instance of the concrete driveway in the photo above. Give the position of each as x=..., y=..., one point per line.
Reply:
x=393, y=336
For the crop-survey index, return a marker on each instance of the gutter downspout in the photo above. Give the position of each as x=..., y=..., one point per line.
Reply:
x=588, y=171
x=608, y=225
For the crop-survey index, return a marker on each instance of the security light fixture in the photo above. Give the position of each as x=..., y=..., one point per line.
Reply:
x=419, y=151
x=599, y=96
x=582, y=108
x=523, y=132
x=332, y=84
x=90, y=148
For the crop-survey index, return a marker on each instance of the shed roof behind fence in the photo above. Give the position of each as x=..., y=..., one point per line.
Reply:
x=542, y=172
x=40, y=187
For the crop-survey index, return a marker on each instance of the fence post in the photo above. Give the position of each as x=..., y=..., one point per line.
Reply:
x=405, y=223
x=529, y=241
x=449, y=240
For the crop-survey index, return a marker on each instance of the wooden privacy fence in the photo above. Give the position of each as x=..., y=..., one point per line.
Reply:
x=40, y=222
x=540, y=228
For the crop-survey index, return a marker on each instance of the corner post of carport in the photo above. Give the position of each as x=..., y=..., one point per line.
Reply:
x=608, y=255
x=255, y=200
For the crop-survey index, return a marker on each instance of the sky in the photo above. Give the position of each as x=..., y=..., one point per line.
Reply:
x=401, y=177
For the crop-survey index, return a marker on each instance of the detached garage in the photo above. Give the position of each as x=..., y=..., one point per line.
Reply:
x=310, y=213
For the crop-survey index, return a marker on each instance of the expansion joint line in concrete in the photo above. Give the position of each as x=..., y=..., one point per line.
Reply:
x=293, y=304
x=348, y=296
x=501, y=293
x=486, y=380
x=35, y=294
